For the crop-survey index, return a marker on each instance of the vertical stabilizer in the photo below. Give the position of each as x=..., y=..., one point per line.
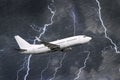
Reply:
x=21, y=42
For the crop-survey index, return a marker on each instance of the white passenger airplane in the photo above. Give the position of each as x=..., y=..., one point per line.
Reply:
x=58, y=45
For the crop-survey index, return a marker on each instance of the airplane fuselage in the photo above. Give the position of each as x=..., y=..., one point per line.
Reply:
x=63, y=43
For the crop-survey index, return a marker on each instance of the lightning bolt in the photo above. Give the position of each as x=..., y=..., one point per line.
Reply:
x=22, y=67
x=27, y=62
x=74, y=22
x=43, y=32
x=45, y=26
x=80, y=70
x=57, y=68
x=105, y=29
x=44, y=29
x=44, y=69
x=28, y=67
x=35, y=28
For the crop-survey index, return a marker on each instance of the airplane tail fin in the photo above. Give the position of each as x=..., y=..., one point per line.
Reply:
x=21, y=42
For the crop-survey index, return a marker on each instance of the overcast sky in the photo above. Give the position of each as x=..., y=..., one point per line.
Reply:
x=27, y=18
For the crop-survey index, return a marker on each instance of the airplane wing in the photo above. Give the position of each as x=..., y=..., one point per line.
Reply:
x=51, y=46
x=55, y=47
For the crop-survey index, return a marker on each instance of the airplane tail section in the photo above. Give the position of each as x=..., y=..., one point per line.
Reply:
x=21, y=42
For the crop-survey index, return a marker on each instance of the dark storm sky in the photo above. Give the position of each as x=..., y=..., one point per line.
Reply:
x=17, y=16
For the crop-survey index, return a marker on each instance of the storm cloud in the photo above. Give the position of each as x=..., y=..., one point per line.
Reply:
x=17, y=17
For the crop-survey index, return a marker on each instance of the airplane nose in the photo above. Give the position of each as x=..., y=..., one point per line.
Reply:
x=89, y=38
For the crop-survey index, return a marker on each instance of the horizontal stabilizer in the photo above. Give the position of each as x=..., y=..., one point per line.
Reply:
x=21, y=50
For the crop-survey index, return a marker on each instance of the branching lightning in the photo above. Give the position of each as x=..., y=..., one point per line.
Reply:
x=29, y=57
x=57, y=68
x=35, y=28
x=44, y=69
x=105, y=29
x=80, y=70
x=22, y=67
x=28, y=67
x=45, y=26
x=27, y=62
x=44, y=30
